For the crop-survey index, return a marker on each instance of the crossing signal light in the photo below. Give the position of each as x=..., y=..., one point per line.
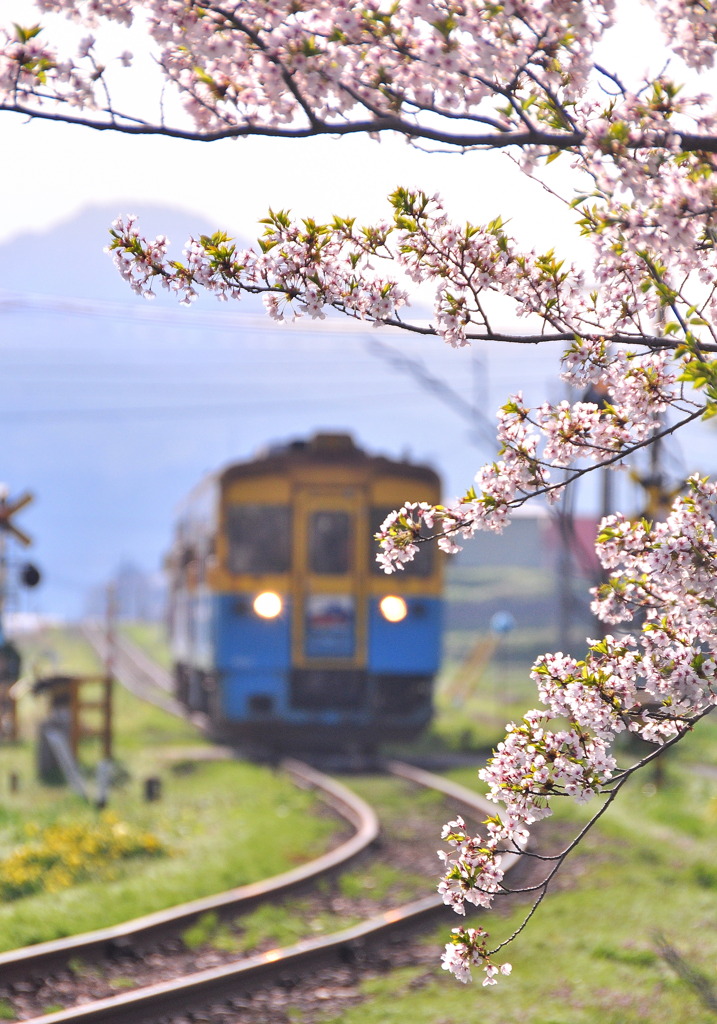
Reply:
x=30, y=575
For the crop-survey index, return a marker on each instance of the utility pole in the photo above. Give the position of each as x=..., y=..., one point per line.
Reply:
x=10, y=662
x=8, y=509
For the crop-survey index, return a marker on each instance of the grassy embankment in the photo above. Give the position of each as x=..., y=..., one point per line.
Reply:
x=219, y=823
x=645, y=876
x=592, y=954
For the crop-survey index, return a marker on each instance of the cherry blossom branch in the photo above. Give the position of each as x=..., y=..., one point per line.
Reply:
x=655, y=342
x=671, y=664
x=521, y=79
x=616, y=785
x=689, y=142
x=402, y=532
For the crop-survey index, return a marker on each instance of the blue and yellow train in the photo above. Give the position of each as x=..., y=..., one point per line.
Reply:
x=285, y=631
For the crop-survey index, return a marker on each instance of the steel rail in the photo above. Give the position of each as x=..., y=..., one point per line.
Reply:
x=145, y=665
x=148, y=1004
x=133, y=668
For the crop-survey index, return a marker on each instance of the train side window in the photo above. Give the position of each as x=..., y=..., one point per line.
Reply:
x=330, y=543
x=422, y=564
x=259, y=538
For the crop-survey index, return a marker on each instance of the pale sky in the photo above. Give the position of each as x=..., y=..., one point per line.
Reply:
x=49, y=171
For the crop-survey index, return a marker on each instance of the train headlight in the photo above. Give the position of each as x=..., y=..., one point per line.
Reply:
x=267, y=605
x=393, y=608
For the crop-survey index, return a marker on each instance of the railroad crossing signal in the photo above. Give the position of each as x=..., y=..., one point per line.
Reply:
x=10, y=661
x=8, y=508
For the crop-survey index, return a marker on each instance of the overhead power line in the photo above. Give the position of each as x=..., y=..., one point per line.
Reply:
x=482, y=427
x=213, y=409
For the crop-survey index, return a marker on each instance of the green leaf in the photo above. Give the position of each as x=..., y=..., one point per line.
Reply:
x=23, y=34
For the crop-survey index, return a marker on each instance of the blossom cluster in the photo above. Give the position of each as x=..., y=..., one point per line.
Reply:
x=692, y=27
x=291, y=66
x=467, y=949
x=656, y=683
x=651, y=212
x=300, y=269
x=536, y=443
x=281, y=62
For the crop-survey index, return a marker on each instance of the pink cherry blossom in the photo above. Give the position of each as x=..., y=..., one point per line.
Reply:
x=636, y=324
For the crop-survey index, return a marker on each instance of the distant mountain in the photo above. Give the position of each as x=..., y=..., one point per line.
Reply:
x=67, y=260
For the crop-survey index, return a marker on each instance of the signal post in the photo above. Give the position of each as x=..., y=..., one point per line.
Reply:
x=10, y=662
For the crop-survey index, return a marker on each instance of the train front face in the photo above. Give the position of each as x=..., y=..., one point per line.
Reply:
x=316, y=647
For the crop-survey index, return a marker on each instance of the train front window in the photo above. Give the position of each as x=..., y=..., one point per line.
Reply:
x=259, y=538
x=330, y=543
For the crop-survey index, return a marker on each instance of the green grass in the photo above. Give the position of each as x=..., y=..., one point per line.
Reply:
x=591, y=954
x=224, y=823
x=274, y=926
x=121, y=984
x=289, y=920
x=378, y=880
x=210, y=931
x=479, y=584
x=151, y=637
x=270, y=925
x=57, y=651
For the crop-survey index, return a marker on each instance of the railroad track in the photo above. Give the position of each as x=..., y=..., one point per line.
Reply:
x=213, y=991
x=137, y=672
